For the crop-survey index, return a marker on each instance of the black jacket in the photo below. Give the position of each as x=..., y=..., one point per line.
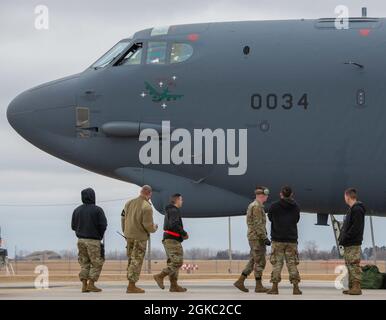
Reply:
x=88, y=220
x=353, y=226
x=284, y=215
x=173, y=223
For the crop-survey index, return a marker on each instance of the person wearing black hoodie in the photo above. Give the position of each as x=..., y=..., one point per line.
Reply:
x=89, y=223
x=284, y=216
x=174, y=234
x=351, y=238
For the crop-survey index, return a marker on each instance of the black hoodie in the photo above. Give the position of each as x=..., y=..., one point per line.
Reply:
x=353, y=226
x=284, y=216
x=173, y=223
x=89, y=220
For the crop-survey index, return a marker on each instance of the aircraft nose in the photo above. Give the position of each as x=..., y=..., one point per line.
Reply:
x=11, y=110
x=40, y=108
x=16, y=108
x=45, y=117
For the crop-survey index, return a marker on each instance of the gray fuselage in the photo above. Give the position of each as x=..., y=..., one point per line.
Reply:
x=312, y=98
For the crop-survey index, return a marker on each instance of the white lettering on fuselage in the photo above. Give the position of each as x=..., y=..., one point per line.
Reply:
x=189, y=150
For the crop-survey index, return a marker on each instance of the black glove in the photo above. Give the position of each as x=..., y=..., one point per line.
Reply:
x=267, y=242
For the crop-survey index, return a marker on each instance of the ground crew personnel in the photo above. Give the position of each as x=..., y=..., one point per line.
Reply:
x=137, y=224
x=351, y=238
x=174, y=234
x=284, y=216
x=89, y=223
x=257, y=237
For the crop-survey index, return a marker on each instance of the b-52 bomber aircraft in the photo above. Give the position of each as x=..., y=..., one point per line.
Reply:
x=211, y=110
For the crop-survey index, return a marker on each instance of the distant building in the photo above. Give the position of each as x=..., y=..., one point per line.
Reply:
x=42, y=256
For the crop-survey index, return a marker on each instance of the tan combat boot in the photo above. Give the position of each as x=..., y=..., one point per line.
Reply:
x=239, y=284
x=274, y=289
x=92, y=288
x=159, y=278
x=84, y=286
x=174, y=287
x=356, y=289
x=259, y=287
x=296, y=290
x=132, y=288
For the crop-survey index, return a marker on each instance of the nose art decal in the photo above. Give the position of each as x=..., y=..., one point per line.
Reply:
x=161, y=93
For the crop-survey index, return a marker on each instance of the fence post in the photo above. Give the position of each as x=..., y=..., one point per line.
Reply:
x=230, y=244
x=15, y=260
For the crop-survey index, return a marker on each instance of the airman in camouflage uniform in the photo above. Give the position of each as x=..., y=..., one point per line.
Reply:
x=351, y=238
x=284, y=216
x=174, y=235
x=137, y=224
x=257, y=238
x=89, y=223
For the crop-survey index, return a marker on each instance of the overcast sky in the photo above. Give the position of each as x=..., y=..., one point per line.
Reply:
x=80, y=32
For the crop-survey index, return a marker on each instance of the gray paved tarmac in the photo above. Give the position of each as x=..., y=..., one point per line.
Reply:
x=197, y=289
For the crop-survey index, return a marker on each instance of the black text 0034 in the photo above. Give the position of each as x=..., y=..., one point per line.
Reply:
x=273, y=101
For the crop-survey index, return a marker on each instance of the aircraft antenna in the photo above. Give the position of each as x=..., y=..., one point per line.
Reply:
x=364, y=12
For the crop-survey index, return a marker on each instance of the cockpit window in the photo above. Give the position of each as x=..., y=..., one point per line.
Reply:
x=180, y=52
x=111, y=54
x=159, y=31
x=156, y=53
x=133, y=56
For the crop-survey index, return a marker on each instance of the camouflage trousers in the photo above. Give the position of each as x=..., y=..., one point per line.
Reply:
x=175, y=257
x=284, y=251
x=90, y=259
x=352, y=257
x=136, y=250
x=257, y=259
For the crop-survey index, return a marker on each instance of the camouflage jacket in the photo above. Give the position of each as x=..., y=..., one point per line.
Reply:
x=256, y=221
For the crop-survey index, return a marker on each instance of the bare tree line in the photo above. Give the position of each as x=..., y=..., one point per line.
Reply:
x=310, y=251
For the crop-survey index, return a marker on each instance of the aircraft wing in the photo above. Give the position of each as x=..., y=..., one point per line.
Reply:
x=174, y=97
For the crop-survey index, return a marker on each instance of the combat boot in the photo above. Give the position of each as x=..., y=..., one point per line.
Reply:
x=274, y=289
x=356, y=289
x=132, y=288
x=92, y=288
x=174, y=287
x=259, y=287
x=159, y=278
x=239, y=284
x=84, y=286
x=296, y=290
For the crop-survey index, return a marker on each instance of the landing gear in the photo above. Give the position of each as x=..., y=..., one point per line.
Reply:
x=322, y=220
x=373, y=240
x=337, y=227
